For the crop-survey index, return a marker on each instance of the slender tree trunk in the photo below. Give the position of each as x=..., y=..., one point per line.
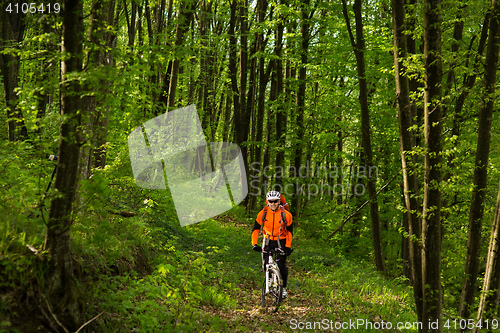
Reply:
x=301, y=95
x=156, y=31
x=96, y=114
x=406, y=144
x=105, y=59
x=255, y=172
x=339, y=162
x=208, y=71
x=44, y=94
x=233, y=70
x=186, y=14
x=431, y=217
x=488, y=304
x=467, y=85
x=242, y=114
x=481, y=167
x=251, y=96
x=11, y=32
x=470, y=80
x=358, y=45
x=281, y=114
x=61, y=282
x=131, y=23
x=415, y=83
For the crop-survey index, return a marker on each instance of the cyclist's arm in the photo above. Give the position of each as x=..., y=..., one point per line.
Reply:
x=256, y=228
x=289, y=235
x=289, y=228
x=255, y=233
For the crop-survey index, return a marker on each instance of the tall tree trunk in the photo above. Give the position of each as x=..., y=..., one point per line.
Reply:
x=105, y=59
x=241, y=115
x=467, y=85
x=431, y=217
x=206, y=78
x=255, y=172
x=406, y=144
x=488, y=304
x=281, y=114
x=241, y=120
x=61, y=281
x=481, y=167
x=415, y=83
x=358, y=45
x=156, y=32
x=96, y=114
x=301, y=95
x=11, y=33
x=470, y=80
x=45, y=95
x=233, y=70
x=186, y=14
x=251, y=96
x=290, y=97
x=131, y=23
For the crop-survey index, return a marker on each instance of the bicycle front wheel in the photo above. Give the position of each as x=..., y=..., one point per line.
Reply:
x=272, y=295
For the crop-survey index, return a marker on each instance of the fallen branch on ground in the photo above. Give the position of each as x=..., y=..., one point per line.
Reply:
x=88, y=322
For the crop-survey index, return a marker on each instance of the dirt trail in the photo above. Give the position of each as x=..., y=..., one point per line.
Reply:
x=300, y=305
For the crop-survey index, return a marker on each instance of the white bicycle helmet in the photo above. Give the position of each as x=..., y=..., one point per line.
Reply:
x=273, y=195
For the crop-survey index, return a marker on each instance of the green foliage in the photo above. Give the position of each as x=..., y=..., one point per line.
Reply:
x=151, y=263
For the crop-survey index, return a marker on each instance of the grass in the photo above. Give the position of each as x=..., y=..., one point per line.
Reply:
x=207, y=279
x=147, y=274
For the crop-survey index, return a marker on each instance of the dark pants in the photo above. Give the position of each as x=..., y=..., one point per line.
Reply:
x=280, y=259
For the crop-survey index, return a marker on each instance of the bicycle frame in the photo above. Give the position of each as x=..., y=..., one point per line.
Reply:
x=271, y=263
x=272, y=288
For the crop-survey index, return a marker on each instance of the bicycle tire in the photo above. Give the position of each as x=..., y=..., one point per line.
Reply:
x=271, y=301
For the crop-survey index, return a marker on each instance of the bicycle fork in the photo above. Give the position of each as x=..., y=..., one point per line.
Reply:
x=269, y=282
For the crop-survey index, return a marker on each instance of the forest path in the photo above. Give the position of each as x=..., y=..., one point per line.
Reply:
x=304, y=304
x=206, y=278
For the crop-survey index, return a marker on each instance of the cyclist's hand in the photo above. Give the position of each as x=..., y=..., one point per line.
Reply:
x=288, y=251
x=256, y=248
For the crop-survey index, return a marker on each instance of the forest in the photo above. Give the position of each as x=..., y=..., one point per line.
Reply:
x=374, y=118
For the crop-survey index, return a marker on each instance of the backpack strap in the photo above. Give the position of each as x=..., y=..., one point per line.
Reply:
x=283, y=218
x=264, y=214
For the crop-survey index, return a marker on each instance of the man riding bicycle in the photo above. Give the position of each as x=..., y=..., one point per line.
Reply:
x=278, y=226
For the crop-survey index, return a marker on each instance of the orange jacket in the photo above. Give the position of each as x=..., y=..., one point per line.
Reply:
x=272, y=225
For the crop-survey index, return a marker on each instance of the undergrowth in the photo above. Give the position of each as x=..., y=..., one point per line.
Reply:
x=210, y=270
x=139, y=271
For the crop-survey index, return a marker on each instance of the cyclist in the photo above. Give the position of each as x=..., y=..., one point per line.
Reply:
x=271, y=217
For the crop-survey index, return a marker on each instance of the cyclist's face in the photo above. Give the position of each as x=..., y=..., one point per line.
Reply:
x=274, y=204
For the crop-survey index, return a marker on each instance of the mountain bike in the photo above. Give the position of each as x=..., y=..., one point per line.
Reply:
x=272, y=288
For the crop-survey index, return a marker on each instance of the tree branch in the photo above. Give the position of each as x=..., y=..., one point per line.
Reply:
x=362, y=206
